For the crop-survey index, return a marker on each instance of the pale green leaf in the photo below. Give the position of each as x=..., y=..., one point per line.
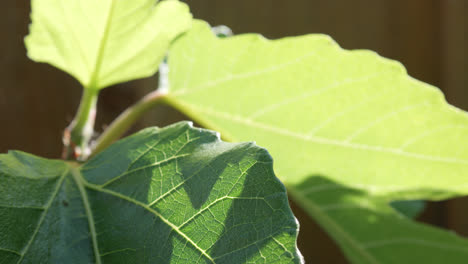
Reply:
x=104, y=42
x=350, y=117
x=172, y=195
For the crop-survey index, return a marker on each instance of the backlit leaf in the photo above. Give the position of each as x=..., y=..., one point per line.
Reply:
x=350, y=132
x=104, y=42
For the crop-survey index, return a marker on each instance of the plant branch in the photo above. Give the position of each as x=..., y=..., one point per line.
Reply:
x=78, y=134
x=122, y=123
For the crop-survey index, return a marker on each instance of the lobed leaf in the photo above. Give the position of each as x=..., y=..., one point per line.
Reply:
x=171, y=195
x=335, y=121
x=104, y=42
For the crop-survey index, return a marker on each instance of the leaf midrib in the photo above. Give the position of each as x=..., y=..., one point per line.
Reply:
x=102, y=45
x=186, y=108
x=89, y=213
x=149, y=209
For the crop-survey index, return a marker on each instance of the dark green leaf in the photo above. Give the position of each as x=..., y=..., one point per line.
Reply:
x=410, y=209
x=172, y=195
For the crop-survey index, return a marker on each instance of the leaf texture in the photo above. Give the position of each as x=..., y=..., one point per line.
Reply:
x=104, y=42
x=171, y=195
x=350, y=132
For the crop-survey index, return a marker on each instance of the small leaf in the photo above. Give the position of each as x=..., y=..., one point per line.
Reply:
x=351, y=118
x=171, y=195
x=104, y=42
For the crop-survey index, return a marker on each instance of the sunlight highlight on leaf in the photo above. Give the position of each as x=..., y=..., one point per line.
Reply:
x=171, y=195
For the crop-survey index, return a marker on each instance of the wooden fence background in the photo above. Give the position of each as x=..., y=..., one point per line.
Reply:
x=428, y=36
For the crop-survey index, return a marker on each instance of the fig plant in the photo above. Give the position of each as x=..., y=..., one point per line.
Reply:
x=349, y=132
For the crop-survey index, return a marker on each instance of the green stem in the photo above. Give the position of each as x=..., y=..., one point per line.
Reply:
x=126, y=120
x=78, y=134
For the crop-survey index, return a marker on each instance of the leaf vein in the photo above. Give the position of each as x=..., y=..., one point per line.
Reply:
x=247, y=75
x=309, y=94
x=10, y=251
x=169, y=223
x=385, y=117
x=44, y=214
x=327, y=141
x=89, y=213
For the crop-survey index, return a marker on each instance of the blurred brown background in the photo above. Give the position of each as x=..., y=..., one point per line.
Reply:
x=428, y=36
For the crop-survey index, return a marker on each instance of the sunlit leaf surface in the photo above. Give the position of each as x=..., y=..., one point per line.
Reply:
x=171, y=195
x=104, y=42
x=350, y=132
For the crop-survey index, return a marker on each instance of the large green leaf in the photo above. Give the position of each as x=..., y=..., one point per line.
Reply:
x=104, y=42
x=172, y=195
x=335, y=121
